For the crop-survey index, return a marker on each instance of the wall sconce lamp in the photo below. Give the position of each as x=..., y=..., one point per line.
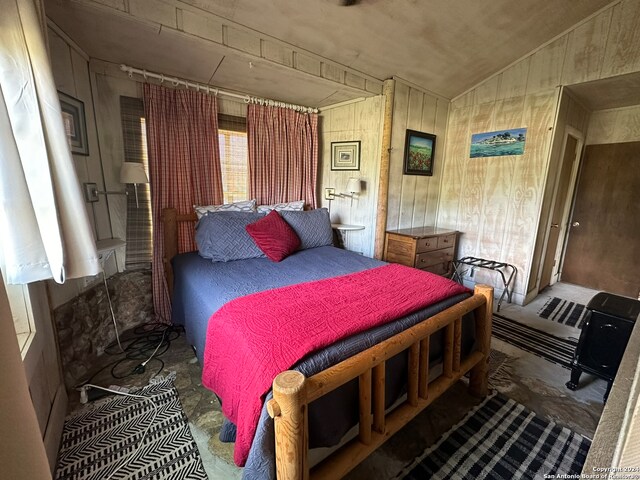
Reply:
x=130, y=172
x=353, y=189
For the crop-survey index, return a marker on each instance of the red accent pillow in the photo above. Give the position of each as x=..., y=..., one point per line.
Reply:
x=274, y=236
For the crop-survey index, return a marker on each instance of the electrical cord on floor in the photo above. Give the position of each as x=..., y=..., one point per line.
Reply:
x=144, y=345
x=149, y=337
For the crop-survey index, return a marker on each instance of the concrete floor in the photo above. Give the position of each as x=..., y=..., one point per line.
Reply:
x=529, y=313
x=528, y=379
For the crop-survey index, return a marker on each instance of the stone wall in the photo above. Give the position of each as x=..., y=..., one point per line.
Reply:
x=85, y=327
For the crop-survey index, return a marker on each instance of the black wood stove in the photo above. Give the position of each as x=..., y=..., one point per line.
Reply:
x=608, y=325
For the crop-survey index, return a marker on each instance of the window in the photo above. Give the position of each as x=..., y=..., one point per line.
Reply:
x=20, y=305
x=139, y=228
x=233, y=163
x=232, y=139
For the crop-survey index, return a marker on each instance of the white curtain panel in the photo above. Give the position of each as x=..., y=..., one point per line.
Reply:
x=44, y=227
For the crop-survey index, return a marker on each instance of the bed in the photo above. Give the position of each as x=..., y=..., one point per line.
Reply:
x=404, y=364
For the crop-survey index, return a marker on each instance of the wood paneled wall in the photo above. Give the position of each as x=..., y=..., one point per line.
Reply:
x=413, y=199
x=362, y=121
x=616, y=125
x=71, y=73
x=494, y=202
x=497, y=202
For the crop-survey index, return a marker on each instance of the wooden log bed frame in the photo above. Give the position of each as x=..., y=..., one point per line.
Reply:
x=292, y=391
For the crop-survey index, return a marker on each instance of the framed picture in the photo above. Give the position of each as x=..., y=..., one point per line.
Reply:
x=345, y=155
x=499, y=143
x=419, y=149
x=74, y=123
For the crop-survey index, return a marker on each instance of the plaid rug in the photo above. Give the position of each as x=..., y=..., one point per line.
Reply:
x=131, y=438
x=502, y=440
x=554, y=349
x=563, y=311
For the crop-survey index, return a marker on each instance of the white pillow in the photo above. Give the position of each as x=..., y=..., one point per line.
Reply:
x=280, y=207
x=243, y=206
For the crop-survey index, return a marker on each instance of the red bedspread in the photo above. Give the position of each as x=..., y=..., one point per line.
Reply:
x=253, y=338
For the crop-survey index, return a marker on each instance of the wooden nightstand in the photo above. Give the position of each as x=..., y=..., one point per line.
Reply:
x=427, y=248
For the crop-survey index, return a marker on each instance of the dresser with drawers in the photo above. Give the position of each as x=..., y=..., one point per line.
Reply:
x=427, y=248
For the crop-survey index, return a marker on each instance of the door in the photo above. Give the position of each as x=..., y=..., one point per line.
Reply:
x=561, y=210
x=603, y=248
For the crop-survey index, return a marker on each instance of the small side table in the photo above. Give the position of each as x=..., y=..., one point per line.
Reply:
x=605, y=334
x=108, y=247
x=343, y=230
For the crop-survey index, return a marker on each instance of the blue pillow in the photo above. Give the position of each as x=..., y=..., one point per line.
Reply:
x=312, y=226
x=222, y=236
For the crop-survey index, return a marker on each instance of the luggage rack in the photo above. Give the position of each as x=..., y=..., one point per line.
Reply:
x=475, y=262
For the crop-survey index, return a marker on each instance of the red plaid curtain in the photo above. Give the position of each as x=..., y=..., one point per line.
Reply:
x=184, y=165
x=283, y=155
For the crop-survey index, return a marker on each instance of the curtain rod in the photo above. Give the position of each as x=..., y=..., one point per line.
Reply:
x=175, y=81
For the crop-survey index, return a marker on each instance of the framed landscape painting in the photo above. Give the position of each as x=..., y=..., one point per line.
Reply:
x=499, y=143
x=419, y=149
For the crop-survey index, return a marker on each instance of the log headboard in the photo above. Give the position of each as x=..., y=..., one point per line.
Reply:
x=170, y=219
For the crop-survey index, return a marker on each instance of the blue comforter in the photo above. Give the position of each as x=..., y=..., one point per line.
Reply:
x=201, y=287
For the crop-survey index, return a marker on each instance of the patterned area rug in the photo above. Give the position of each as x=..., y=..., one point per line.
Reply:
x=554, y=349
x=501, y=439
x=131, y=438
x=563, y=311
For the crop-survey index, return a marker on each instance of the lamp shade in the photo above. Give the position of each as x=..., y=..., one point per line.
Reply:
x=133, y=172
x=353, y=185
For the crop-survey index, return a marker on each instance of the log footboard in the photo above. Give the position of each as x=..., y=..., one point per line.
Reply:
x=292, y=391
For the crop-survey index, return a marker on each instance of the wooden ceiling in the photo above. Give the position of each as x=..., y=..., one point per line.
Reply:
x=442, y=46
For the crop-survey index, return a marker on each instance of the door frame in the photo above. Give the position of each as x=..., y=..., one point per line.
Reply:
x=558, y=253
x=567, y=213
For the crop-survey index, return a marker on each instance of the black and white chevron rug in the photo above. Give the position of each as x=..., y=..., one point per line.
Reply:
x=131, y=438
x=554, y=349
x=502, y=440
x=562, y=311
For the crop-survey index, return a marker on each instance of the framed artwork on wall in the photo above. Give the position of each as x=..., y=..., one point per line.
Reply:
x=345, y=155
x=499, y=143
x=419, y=150
x=74, y=123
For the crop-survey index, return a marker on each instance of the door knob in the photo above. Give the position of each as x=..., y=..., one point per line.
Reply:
x=555, y=225
x=575, y=224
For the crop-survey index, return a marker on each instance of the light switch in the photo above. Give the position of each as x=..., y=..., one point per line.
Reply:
x=329, y=193
x=90, y=192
